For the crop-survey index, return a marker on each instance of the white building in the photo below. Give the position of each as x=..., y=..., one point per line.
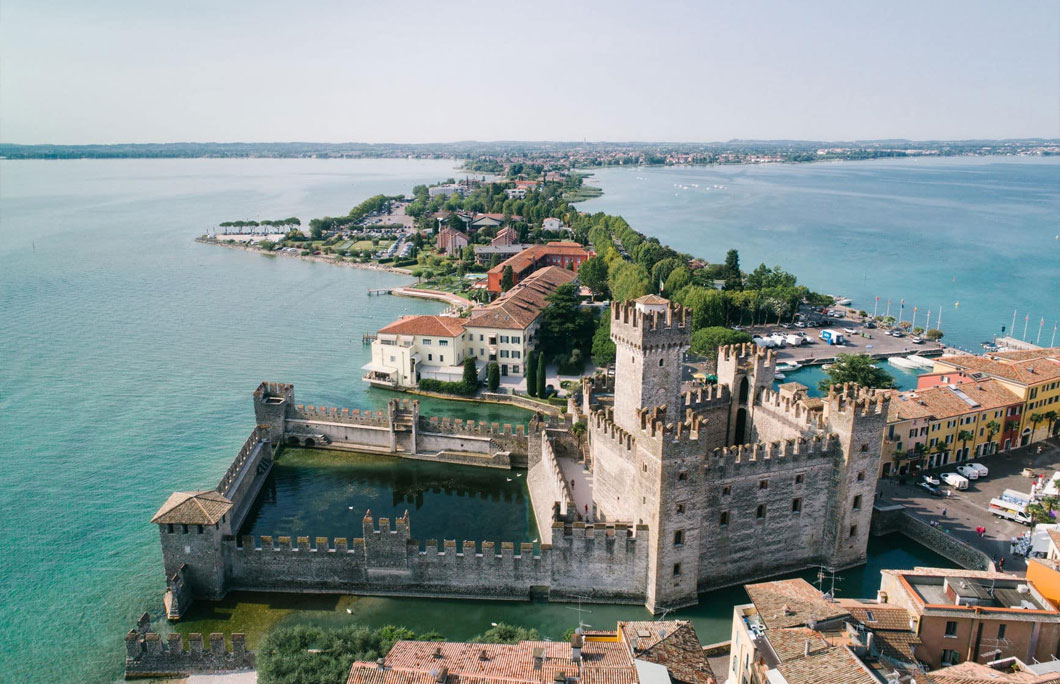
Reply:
x=416, y=347
x=554, y=224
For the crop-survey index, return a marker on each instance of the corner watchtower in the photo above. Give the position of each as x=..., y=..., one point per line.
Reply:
x=272, y=401
x=651, y=335
x=746, y=369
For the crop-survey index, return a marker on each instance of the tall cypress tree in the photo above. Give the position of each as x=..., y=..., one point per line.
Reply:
x=531, y=374
x=541, y=374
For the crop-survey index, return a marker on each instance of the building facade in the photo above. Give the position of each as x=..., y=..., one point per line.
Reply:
x=569, y=255
x=416, y=347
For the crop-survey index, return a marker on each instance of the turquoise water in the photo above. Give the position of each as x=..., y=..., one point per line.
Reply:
x=130, y=352
x=978, y=232
x=811, y=375
x=313, y=493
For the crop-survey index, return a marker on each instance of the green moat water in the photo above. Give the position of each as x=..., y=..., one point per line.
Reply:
x=320, y=493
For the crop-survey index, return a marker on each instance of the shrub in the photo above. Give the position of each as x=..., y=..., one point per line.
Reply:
x=443, y=387
x=571, y=365
x=493, y=376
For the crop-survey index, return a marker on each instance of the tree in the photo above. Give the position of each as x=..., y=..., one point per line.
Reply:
x=1051, y=417
x=662, y=270
x=964, y=436
x=603, y=351
x=531, y=374
x=856, y=368
x=503, y=633
x=940, y=449
x=541, y=382
x=493, y=376
x=564, y=325
x=678, y=279
x=733, y=277
x=313, y=655
x=934, y=334
x=507, y=279
x=992, y=428
x=706, y=341
x=629, y=281
x=470, y=379
x=1035, y=418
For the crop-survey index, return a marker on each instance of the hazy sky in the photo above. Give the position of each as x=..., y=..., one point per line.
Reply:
x=392, y=71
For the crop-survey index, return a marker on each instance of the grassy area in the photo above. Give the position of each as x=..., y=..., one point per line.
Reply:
x=583, y=193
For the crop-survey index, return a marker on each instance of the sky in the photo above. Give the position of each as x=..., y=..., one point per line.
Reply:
x=394, y=71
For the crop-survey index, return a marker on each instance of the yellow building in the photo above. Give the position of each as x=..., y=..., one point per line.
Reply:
x=1033, y=376
x=956, y=420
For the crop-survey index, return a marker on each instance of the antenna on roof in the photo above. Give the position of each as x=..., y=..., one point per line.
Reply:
x=581, y=625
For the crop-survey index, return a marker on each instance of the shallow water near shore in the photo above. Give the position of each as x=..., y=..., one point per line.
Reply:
x=130, y=353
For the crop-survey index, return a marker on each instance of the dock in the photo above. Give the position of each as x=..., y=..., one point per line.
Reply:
x=368, y=338
x=378, y=292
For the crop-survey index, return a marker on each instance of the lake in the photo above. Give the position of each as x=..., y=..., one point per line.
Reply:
x=130, y=352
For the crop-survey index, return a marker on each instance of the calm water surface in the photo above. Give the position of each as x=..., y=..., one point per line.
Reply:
x=129, y=352
x=973, y=237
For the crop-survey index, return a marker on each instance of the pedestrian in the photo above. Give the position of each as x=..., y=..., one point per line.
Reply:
x=572, y=483
x=943, y=508
x=1001, y=563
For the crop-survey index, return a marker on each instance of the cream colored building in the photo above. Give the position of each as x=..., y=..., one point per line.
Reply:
x=416, y=347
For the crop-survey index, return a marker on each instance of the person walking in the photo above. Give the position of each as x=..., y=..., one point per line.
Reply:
x=943, y=511
x=1001, y=563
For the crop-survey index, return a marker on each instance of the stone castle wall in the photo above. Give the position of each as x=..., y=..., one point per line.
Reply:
x=149, y=654
x=549, y=494
x=592, y=562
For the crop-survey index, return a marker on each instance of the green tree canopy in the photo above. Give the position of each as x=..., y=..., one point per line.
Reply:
x=733, y=276
x=312, y=655
x=603, y=351
x=493, y=376
x=531, y=374
x=507, y=279
x=505, y=634
x=593, y=275
x=629, y=281
x=706, y=341
x=856, y=368
x=565, y=326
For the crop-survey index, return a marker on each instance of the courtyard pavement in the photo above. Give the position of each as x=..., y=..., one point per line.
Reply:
x=968, y=509
x=582, y=491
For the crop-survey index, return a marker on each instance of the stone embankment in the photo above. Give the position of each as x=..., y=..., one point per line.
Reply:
x=895, y=518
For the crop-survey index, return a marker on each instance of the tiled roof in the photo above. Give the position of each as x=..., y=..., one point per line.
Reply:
x=421, y=662
x=651, y=299
x=438, y=326
x=1023, y=367
x=943, y=402
x=523, y=260
x=833, y=666
x=973, y=673
x=1054, y=536
x=789, y=644
x=877, y=615
x=898, y=645
x=517, y=308
x=672, y=643
x=791, y=603
x=193, y=508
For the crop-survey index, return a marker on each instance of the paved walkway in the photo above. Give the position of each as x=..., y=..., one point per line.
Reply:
x=582, y=491
x=968, y=509
x=439, y=295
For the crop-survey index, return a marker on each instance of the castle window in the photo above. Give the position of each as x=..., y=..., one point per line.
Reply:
x=857, y=503
x=679, y=538
x=199, y=529
x=724, y=519
x=677, y=569
x=660, y=363
x=861, y=476
x=645, y=467
x=800, y=478
x=1001, y=631
x=864, y=448
x=853, y=531
x=951, y=628
x=184, y=529
x=796, y=505
x=760, y=512
x=763, y=484
x=680, y=509
x=726, y=490
x=682, y=476
x=169, y=528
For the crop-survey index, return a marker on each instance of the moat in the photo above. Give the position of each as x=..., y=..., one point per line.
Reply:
x=317, y=492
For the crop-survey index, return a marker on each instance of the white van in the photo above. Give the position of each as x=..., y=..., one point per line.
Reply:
x=1012, y=505
x=983, y=470
x=954, y=480
x=968, y=471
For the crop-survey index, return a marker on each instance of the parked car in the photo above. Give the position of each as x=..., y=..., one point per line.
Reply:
x=800, y=324
x=930, y=479
x=850, y=331
x=870, y=325
x=897, y=333
x=930, y=488
x=983, y=470
x=917, y=340
x=954, y=480
x=968, y=471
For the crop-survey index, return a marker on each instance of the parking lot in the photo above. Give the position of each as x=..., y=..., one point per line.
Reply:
x=965, y=510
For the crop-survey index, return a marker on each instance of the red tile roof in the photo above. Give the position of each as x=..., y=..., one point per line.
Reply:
x=526, y=258
x=436, y=326
x=517, y=308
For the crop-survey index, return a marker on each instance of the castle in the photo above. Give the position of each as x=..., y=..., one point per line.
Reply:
x=688, y=491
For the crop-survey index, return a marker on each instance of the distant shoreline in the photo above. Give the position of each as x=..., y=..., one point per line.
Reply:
x=320, y=258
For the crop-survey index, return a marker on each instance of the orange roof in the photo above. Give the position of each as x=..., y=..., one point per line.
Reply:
x=945, y=401
x=1024, y=367
x=437, y=326
x=528, y=256
x=517, y=308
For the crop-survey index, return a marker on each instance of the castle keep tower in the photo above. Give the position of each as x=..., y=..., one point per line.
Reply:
x=651, y=336
x=746, y=369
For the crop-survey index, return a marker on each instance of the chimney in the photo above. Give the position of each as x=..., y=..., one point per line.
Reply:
x=881, y=597
x=576, y=641
x=379, y=664
x=539, y=657
x=442, y=675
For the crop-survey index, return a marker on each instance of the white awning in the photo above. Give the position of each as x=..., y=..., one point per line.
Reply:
x=378, y=368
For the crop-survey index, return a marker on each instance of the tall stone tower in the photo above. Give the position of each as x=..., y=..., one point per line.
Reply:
x=746, y=369
x=858, y=416
x=651, y=336
x=272, y=401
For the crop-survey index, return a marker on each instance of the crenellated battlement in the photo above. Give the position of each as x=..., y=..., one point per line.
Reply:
x=337, y=415
x=796, y=412
x=653, y=326
x=260, y=434
x=150, y=654
x=747, y=352
x=862, y=401
x=274, y=390
x=605, y=429
x=818, y=446
x=455, y=426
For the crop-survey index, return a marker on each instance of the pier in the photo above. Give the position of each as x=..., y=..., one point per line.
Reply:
x=379, y=291
x=367, y=338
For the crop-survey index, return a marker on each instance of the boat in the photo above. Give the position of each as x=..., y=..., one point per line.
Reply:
x=903, y=363
x=921, y=362
x=842, y=301
x=779, y=376
x=787, y=366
